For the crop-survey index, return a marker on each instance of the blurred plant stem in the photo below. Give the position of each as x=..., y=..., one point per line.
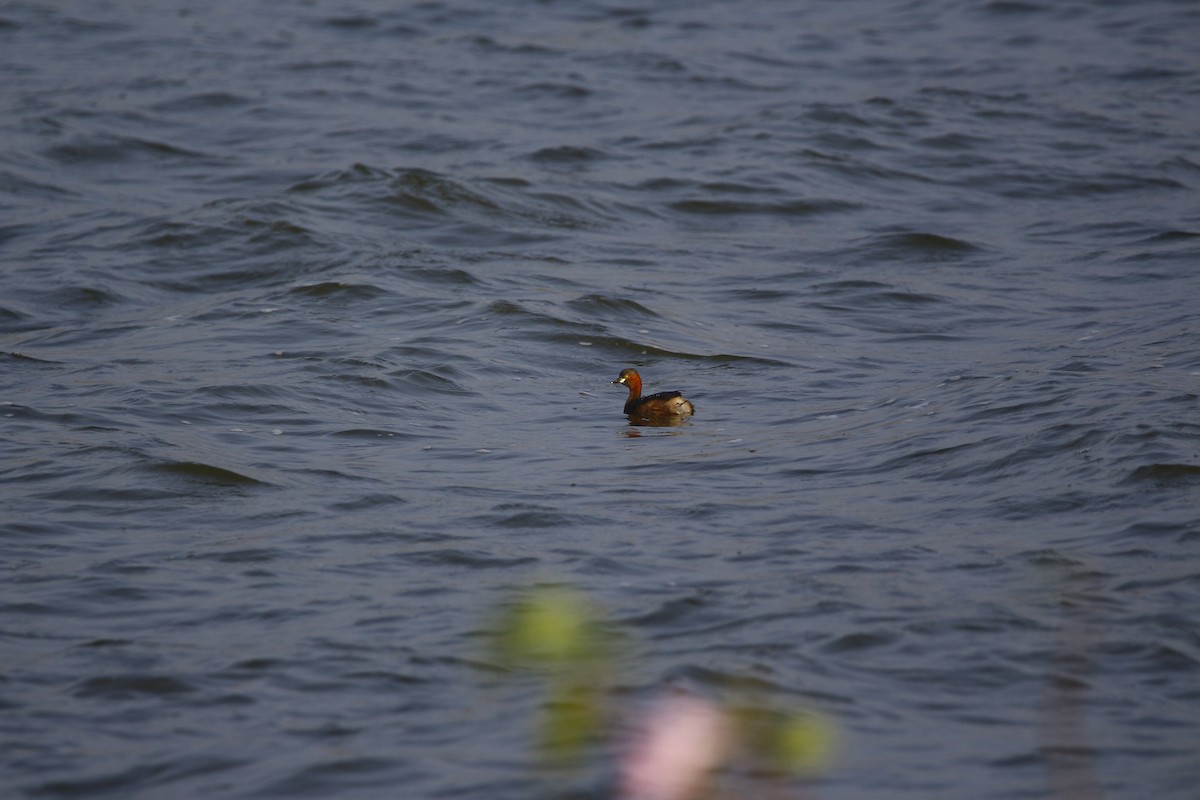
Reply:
x=556, y=632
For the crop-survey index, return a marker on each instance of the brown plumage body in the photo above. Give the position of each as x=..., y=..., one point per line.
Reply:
x=662, y=404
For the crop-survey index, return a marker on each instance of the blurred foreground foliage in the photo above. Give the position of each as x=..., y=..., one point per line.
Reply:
x=555, y=632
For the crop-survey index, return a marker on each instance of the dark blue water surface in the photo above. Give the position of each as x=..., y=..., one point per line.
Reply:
x=309, y=313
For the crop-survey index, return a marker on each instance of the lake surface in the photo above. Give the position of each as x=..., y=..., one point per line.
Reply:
x=309, y=314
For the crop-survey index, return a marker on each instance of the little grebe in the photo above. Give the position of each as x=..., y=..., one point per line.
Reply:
x=663, y=404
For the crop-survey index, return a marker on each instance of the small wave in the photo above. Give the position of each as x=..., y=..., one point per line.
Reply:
x=534, y=518
x=242, y=229
x=204, y=101
x=206, y=473
x=484, y=211
x=1166, y=475
x=1013, y=7
x=867, y=294
x=568, y=91
x=369, y=501
x=137, y=779
x=859, y=641
x=1017, y=181
x=787, y=208
x=351, y=22
x=1172, y=237
x=251, y=555
x=15, y=185
x=330, y=775
x=83, y=297
x=907, y=245
x=461, y=558
x=606, y=306
x=20, y=359
x=370, y=433
x=108, y=149
x=565, y=154
x=131, y=686
x=426, y=381
x=339, y=291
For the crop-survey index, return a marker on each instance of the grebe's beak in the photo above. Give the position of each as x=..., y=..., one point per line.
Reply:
x=619, y=380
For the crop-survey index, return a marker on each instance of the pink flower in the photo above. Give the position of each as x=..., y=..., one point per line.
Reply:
x=682, y=739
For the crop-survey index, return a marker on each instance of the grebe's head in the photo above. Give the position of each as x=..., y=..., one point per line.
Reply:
x=629, y=377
